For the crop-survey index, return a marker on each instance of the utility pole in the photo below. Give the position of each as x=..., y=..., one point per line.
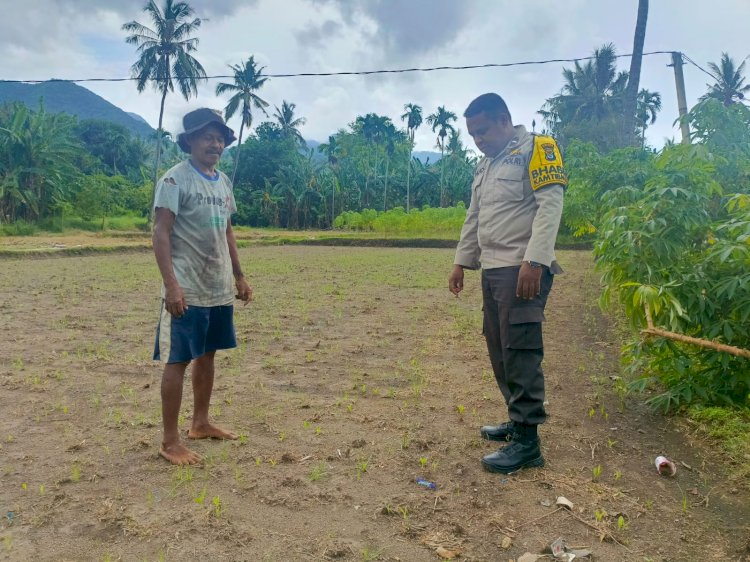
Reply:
x=679, y=80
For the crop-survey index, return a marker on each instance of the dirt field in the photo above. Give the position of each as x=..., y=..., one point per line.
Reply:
x=357, y=373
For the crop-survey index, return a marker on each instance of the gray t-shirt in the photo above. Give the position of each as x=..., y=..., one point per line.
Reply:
x=200, y=255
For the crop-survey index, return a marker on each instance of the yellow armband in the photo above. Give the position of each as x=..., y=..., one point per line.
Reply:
x=546, y=165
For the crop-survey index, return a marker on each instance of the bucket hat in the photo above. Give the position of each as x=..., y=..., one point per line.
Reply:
x=197, y=120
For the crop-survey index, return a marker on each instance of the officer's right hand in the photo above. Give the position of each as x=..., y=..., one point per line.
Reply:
x=174, y=300
x=456, y=280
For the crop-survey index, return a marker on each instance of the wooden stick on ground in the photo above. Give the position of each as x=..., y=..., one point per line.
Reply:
x=653, y=331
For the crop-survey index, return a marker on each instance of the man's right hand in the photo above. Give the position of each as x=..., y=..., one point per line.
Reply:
x=456, y=280
x=174, y=300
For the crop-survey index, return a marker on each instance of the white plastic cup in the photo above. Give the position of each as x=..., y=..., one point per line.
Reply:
x=664, y=466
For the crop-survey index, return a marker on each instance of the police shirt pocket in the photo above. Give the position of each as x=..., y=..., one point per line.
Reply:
x=506, y=184
x=525, y=329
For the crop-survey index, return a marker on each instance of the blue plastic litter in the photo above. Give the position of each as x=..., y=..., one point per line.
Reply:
x=426, y=483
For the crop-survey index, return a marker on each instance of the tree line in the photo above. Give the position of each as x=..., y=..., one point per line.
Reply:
x=55, y=166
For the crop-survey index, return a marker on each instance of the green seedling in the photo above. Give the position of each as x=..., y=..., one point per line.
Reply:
x=370, y=553
x=596, y=472
x=621, y=524
x=362, y=465
x=460, y=410
x=618, y=475
x=201, y=497
x=218, y=508
x=405, y=441
x=317, y=472
x=422, y=461
x=75, y=472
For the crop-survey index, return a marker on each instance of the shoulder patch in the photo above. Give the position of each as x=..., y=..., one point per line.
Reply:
x=546, y=165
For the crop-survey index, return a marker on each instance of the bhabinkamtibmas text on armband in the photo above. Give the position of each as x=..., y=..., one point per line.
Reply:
x=545, y=164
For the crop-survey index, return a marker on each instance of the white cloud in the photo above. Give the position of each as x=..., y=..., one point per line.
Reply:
x=84, y=38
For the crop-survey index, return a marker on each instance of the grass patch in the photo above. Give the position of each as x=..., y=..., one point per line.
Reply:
x=731, y=429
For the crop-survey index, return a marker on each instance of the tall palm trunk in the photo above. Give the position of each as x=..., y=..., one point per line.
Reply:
x=159, y=134
x=442, y=173
x=631, y=91
x=385, y=189
x=239, y=147
x=333, y=201
x=408, y=181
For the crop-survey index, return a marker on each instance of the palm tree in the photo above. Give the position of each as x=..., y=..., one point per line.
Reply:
x=649, y=104
x=288, y=123
x=592, y=93
x=441, y=122
x=247, y=79
x=375, y=129
x=730, y=87
x=413, y=118
x=164, y=55
x=630, y=100
x=331, y=150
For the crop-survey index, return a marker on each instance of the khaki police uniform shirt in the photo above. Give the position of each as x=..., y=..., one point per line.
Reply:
x=516, y=205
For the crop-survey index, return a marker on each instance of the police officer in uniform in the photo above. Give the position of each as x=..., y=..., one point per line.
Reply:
x=509, y=232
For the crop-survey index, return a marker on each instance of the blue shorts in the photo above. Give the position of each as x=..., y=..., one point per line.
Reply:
x=200, y=330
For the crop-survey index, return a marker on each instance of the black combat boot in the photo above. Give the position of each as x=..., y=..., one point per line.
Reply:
x=502, y=432
x=522, y=452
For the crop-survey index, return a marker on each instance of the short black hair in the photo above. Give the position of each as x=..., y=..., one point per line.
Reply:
x=492, y=104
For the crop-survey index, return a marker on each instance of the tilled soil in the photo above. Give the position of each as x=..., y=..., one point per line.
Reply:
x=357, y=373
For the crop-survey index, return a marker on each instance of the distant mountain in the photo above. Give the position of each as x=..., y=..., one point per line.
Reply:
x=425, y=155
x=421, y=155
x=66, y=97
x=137, y=117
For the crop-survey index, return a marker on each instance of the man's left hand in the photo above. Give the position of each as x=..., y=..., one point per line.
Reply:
x=529, y=281
x=244, y=290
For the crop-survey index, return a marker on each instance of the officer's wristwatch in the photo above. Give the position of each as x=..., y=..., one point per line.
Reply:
x=535, y=264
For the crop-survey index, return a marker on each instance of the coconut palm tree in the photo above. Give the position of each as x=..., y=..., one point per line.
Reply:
x=288, y=123
x=413, y=118
x=440, y=121
x=630, y=98
x=591, y=91
x=331, y=150
x=730, y=87
x=649, y=104
x=590, y=103
x=375, y=129
x=164, y=55
x=248, y=78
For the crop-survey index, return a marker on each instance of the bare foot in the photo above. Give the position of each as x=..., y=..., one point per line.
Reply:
x=210, y=431
x=177, y=453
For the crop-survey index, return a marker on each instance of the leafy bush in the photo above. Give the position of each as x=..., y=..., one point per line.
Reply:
x=428, y=222
x=679, y=244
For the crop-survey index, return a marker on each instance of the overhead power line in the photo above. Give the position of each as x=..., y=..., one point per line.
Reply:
x=348, y=73
x=696, y=65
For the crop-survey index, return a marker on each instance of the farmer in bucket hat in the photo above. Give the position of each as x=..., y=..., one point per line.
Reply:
x=196, y=252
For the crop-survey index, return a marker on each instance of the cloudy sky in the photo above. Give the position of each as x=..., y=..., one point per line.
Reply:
x=70, y=39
